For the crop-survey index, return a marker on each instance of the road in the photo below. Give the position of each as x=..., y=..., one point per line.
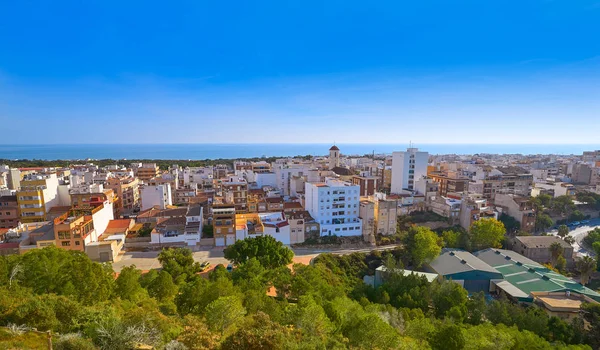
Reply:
x=148, y=260
x=579, y=233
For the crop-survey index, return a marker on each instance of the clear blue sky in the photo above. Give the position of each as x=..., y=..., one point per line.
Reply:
x=481, y=71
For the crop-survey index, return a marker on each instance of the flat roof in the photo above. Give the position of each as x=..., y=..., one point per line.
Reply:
x=561, y=302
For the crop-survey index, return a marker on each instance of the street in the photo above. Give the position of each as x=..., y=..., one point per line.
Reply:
x=149, y=260
x=579, y=233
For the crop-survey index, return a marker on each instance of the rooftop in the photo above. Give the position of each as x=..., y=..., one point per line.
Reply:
x=453, y=261
x=541, y=241
x=529, y=276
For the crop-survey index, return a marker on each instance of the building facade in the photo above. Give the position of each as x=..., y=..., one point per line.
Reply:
x=335, y=206
x=407, y=167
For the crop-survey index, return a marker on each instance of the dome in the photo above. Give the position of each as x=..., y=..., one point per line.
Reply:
x=334, y=148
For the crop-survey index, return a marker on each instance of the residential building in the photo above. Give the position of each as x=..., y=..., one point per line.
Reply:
x=235, y=191
x=38, y=193
x=146, y=171
x=257, y=224
x=9, y=212
x=184, y=231
x=537, y=248
x=449, y=182
x=386, y=216
x=127, y=189
x=407, y=167
x=159, y=195
x=582, y=174
x=334, y=205
x=511, y=180
x=518, y=207
x=555, y=189
x=368, y=184
x=367, y=215
x=472, y=210
x=591, y=156
x=302, y=225
x=223, y=219
x=72, y=231
x=446, y=207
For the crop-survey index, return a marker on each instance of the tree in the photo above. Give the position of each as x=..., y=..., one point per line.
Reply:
x=586, y=266
x=596, y=248
x=423, y=245
x=196, y=335
x=224, y=313
x=127, y=285
x=556, y=250
x=510, y=223
x=561, y=263
x=162, y=287
x=577, y=216
x=267, y=250
x=563, y=231
x=570, y=240
x=451, y=238
x=179, y=263
x=591, y=313
x=449, y=299
x=563, y=205
x=261, y=333
x=476, y=306
x=543, y=222
x=487, y=233
x=448, y=337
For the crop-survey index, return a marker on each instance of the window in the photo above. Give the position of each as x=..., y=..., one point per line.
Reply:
x=337, y=229
x=77, y=243
x=357, y=228
x=345, y=229
x=64, y=235
x=66, y=244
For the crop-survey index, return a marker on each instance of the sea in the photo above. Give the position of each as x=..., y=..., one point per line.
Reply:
x=200, y=151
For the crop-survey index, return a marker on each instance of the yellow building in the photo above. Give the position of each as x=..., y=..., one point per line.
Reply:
x=38, y=193
x=72, y=231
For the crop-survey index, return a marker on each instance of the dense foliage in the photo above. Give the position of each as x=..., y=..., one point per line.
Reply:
x=267, y=250
x=256, y=306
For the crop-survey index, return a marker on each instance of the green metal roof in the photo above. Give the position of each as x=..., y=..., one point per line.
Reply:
x=529, y=276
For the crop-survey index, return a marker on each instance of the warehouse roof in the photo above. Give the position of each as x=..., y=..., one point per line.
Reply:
x=453, y=261
x=529, y=276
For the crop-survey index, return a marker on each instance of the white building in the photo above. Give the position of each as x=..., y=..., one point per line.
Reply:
x=284, y=174
x=159, y=195
x=407, y=167
x=173, y=232
x=269, y=224
x=335, y=205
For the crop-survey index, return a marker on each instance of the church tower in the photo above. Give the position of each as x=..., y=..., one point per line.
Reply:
x=334, y=157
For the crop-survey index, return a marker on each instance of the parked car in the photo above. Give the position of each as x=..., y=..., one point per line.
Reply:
x=583, y=222
x=205, y=265
x=576, y=223
x=229, y=267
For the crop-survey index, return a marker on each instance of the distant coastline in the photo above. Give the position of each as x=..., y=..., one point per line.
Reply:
x=235, y=151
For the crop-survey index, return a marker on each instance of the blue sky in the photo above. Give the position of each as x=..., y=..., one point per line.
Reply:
x=525, y=71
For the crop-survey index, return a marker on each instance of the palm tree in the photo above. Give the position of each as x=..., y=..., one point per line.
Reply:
x=556, y=249
x=586, y=266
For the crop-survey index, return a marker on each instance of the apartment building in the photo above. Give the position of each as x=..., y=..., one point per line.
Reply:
x=235, y=191
x=472, y=210
x=38, y=193
x=258, y=224
x=520, y=208
x=368, y=184
x=446, y=207
x=555, y=189
x=449, y=182
x=9, y=212
x=146, y=171
x=537, y=248
x=302, y=225
x=582, y=174
x=386, y=216
x=511, y=180
x=73, y=231
x=407, y=167
x=223, y=219
x=335, y=206
x=157, y=195
x=127, y=190
x=367, y=215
